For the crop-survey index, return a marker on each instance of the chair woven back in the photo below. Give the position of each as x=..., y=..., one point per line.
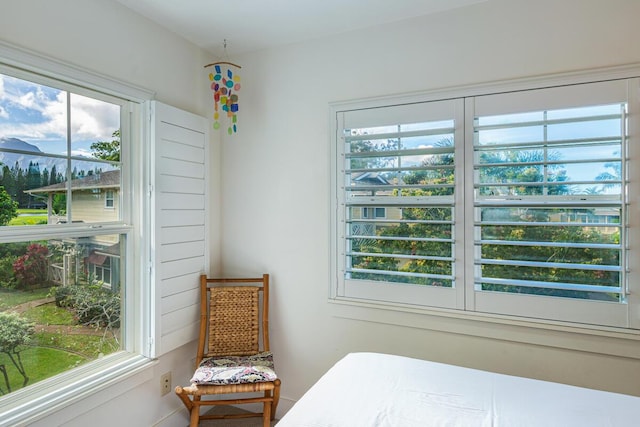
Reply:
x=234, y=321
x=234, y=316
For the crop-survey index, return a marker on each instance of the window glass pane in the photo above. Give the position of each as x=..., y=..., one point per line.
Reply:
x=59, y=165
x=577, y=152
x=400, y=242
x=62, y=298
x=413, y=245
x=49, y=140
x=32, y=119
x=415, y=163
x=95, y=126
x=561, y=249
x=89, y=190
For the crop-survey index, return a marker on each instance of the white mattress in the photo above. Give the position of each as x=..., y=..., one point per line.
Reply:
x=379, y=390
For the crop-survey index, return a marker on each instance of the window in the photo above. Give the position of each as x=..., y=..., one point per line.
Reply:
x=373, y=212
x=65, y=261
x=508, y=203
x=400, y=161
x=109, y=199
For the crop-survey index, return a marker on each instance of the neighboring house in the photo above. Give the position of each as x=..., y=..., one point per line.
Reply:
x=372, y=182
x=94, y=198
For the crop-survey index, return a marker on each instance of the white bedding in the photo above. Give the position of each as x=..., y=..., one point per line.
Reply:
x=379, y=390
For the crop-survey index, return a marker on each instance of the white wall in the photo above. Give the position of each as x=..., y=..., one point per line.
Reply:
x=276, y=177
x=105, y=37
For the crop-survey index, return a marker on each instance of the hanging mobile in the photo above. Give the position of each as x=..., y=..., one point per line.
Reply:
x=225, y=85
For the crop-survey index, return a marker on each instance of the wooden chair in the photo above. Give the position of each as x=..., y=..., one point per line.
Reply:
x=233, y=349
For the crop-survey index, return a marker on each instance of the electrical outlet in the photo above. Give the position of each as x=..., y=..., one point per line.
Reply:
x=165, y=383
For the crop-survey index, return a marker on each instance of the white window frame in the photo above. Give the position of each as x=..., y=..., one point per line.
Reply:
x=99, y=272
x=109, y=199
x=373, y=295
x=130, y=366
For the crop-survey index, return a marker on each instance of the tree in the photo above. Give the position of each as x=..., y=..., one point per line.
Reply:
x=425, y=182
x=21, y=184
x=108, y=150
x=15, y=333
x=613, y=173
x=426, y=231
x=54, y=177
x=8, y=208
x=44, y=179
x=517, y=169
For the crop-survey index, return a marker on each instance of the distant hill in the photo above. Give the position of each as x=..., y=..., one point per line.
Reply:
x=9, y=159
x=17, y=144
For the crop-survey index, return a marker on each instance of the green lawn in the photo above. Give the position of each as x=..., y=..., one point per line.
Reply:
x=30, y=217
x=9, y=298
x=63, y=346
x=39, y=363
x=49, y=314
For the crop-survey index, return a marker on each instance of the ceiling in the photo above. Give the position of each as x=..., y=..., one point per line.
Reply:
x=250, y=25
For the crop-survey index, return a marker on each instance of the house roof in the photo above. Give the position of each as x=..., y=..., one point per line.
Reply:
x=370, y=178
x=110, y=179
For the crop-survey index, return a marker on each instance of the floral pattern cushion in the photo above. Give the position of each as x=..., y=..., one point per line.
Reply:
x=235, y=370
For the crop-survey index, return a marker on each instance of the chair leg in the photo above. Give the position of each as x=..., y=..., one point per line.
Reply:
x=195, y=416
x=194, y=412
x=276, y=399
x=266, y=414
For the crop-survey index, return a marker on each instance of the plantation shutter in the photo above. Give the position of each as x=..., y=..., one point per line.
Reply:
x=398, y=170
x=179, y=193
x=546, y=223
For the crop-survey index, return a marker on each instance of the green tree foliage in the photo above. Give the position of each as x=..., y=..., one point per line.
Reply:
x=613, y=173
x=108, y=150
x=513, y=172
x=426, y=182
x=8, y=208
x=59, y=203
x=551, y=254
x=424, y=231
x=15, y=333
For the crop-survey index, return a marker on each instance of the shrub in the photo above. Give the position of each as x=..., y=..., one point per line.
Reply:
x=7, y=278
x=60, y=293
x=93, y=305
x=31, y=268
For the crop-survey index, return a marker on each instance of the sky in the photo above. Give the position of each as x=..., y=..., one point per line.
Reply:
x=37, y=114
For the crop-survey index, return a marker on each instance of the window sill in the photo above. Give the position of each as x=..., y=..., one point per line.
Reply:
x=110, y=376
x=598, y=340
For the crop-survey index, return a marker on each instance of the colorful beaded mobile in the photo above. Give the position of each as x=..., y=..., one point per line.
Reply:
x=225, y=95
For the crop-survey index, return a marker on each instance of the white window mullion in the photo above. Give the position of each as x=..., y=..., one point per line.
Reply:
x=471, y=215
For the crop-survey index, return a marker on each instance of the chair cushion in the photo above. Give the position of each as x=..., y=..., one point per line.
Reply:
x=223, y=370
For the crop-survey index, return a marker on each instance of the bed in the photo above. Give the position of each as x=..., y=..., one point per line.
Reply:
x=381, y=390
